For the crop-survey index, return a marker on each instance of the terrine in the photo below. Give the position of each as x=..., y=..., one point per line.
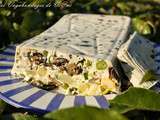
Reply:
x=76, y=56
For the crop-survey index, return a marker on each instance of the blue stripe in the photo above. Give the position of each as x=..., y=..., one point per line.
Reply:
x=157, y=54
x=7, y=53
x=157, y=60
x=5, y=67
x=156, y=87
x=55, y=102
x=4, y=74
x=157, y=84
x=79, y=100
x=17, y=90
x=33, y=97
x=7, y=82
x=101, y=100
x=157, y=45
x=6, y=60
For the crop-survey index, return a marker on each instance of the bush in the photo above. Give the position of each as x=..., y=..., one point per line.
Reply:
x=17, y=25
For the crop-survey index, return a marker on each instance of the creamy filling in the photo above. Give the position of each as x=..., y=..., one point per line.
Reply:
x=75, y=75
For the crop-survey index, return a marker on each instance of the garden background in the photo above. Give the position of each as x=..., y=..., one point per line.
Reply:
x=19, y=24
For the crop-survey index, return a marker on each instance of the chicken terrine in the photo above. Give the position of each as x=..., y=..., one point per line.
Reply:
x=76, y=56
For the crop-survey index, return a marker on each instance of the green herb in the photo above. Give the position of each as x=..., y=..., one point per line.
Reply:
x=149, y=76
x=85, y=75
x=88, y=63
x=101, y=65
x=65, y=85
x=45, y=53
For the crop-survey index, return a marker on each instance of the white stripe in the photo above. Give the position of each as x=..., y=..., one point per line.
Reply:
x=110, y=96
x=90, y=100
x=5, y=63
x=157, y=57
x=43, y=101
x=4, y=78
x=25, y=94
x=5, y=71
x=67, y=102
x=12, y=86
x=157, y=47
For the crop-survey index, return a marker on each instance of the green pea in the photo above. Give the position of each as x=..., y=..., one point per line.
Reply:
x=101, y=65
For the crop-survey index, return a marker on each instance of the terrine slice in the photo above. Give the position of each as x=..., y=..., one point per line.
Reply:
x=74, y=56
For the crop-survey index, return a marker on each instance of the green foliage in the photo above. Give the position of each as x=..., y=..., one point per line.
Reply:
x=17, y=25
x=19, y=116
x=83, y=113
x=136, y=99
x=2, y=106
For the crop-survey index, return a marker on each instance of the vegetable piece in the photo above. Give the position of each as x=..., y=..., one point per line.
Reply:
x=42, y=71
x=65, y=86
x=60, y=61
x=45, y=53
x=36, y=57
x=149, y=76
x=86, y=75
x=73, y=69
x=73, y=91
x=51, y=59
x=101, y=65
x=88, y=63
x=104, y=89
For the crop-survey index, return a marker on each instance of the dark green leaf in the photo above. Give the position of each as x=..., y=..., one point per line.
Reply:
x=16, y=26
x=141, y=26
x=5, y=12
x=124, y=7
x=6, y=23
x=2, y=106
x=19, y=116
x=84, y=113
x=32, y=20
x=136, y=98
